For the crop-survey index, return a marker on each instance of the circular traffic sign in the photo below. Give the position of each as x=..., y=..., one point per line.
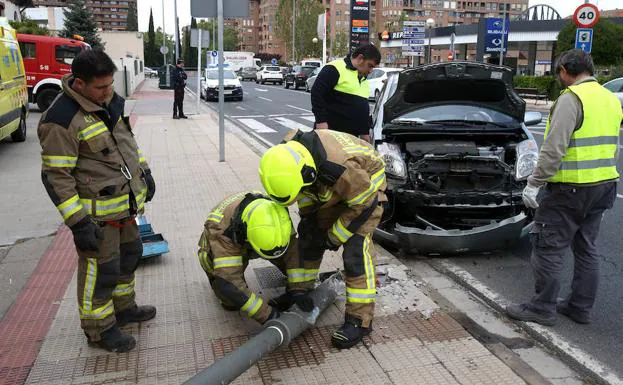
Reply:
x=164, y=50
x=214, y=53
x=273, y=61
x=586, y=16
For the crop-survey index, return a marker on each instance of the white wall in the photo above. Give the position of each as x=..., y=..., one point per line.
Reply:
x=129, y=71
x=121, y=44
x=11, y=11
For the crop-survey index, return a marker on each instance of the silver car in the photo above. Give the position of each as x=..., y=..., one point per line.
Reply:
x=616, y=86
x=309, y=83
x=457, y=153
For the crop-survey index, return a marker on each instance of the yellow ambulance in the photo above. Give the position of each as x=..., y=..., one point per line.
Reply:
x=13, y=89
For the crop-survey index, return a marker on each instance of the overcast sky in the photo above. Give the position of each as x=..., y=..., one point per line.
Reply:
x=564, y=7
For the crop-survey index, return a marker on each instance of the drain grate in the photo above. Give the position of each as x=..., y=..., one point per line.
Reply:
x=270, y=277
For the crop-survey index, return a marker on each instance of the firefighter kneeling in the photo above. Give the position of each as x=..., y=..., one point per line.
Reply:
x=242, y=227
x=338, y=181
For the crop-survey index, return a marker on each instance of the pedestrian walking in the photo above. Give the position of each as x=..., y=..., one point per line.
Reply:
x=340, y=93
x=99, y=181
x=242, y=227
x=577, y=168
x=179, y=84
x=338, y=182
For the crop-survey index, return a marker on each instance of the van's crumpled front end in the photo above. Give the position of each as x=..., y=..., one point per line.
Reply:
x=456, y=168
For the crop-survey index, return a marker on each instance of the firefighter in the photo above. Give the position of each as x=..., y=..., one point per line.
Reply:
x=338, y=181
x=179, y=83
x=97, y=178
x=244, y=226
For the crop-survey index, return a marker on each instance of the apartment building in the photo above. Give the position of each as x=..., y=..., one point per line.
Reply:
x=111, y=15
x=249, y=29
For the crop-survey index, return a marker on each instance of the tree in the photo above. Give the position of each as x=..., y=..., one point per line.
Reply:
x=607, y=44
x=307, y=12
x=29, y=27
x=340, y=44
x=79, y=20
x=132, y=24
x=230, y=36
x=150, y=46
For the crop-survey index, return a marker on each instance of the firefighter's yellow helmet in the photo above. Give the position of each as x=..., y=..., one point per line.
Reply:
x=285, y=169
x=268, y=227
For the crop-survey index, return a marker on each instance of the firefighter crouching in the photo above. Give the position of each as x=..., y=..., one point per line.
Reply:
x=97, y=178
x=338, y=181
x=245, y=226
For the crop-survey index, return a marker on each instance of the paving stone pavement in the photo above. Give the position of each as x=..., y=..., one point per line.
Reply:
x=413, y=341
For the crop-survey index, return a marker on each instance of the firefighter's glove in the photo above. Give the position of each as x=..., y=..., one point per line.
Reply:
x=329, y=245
x=87, y=235
x=529, y=196
x=298, y=297
x=274, y=313
x=151, y=185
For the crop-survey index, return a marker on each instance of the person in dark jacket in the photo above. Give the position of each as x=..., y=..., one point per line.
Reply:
x=340, y=93
x=179, y=83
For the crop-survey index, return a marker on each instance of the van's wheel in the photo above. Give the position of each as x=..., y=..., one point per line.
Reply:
x=45, y=98
x=19, y=135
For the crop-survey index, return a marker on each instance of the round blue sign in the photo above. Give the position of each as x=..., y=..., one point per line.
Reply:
x=215, y=53
x=273, y=61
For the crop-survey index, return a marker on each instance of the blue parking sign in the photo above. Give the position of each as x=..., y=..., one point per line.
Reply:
x=273, y=61
x=584, y=39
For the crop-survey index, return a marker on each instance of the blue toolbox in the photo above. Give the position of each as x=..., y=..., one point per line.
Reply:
x=153, y=244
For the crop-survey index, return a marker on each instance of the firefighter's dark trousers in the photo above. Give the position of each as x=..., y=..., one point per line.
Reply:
x=106, y=278
x=178, y=102
x=568, y=216
x=358, y=255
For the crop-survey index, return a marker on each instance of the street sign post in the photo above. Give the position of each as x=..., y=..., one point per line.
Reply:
x=413, y=38
x=220, y=9
x=584, y=39
x=496, y=36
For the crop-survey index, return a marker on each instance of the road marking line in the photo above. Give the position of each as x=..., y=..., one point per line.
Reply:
x=246, y=116
x=619, y=195
x=261, y=89
x=291, y=124
x=298, y=108
x=241, y=108
x=310, y=118
x=269, y=100
x=256, y=126
x=538, y=132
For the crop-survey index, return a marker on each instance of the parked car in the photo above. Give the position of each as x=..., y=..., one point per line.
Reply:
x=249, y=73
x=311, y=63
x=616, y=86
x=309, y=83
x=377, y=78
x=269, y=74
x=457, y=151
x=150, y=72
x=209, y=85
x=298, y=76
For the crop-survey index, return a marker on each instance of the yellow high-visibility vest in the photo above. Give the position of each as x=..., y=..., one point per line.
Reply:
x=349, y=80
x=591, y=154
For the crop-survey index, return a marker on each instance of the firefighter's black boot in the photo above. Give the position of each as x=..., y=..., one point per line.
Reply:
x=136, y=314
x=350, y=333
x=114, y=340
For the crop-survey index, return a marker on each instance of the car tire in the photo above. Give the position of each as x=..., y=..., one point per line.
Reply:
x=377, y=95
x=286, y=85
x=19, y=135
x=296, y=86
x=240, y=99
x=45, y=98
x=281, y=83
x=257, y=81
x=262, y=81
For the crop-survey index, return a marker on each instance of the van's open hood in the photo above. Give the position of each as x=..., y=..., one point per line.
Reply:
x=469, y=83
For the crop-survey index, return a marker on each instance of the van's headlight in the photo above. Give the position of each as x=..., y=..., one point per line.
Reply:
x=527, y=156
x=394, y=164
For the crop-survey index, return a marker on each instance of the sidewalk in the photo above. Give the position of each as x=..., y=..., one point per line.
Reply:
x=414, y=341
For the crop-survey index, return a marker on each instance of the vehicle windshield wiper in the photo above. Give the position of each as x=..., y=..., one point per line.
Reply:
x=459, y=122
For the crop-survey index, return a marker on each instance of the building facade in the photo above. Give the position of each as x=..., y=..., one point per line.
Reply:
x=111, y=15
x=10, y=11
x=249, y=29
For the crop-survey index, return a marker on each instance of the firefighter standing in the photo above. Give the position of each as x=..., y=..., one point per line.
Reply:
x=179, y=83
x=338, y=181
x=577, y=164
x=340, y=93
x=96, y=176
x=242, y=227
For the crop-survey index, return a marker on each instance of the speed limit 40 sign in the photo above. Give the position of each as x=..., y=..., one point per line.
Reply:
x=586, y=16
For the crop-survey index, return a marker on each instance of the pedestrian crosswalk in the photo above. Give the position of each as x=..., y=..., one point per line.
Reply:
x=272, y=124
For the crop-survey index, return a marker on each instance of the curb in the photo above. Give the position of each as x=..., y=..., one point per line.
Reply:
x=573, y=356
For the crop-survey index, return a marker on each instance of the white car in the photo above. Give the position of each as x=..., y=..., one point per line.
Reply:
x=377, y=78
x=616, y=86
x=150, y=73
x=269, y=74
x=209, y=85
